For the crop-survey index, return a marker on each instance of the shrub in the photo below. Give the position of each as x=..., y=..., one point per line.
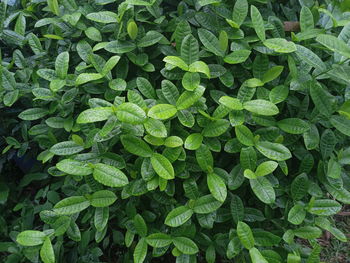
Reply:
x=202, y=130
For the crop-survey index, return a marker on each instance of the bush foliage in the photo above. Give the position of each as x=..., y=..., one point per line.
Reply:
x=149, y=131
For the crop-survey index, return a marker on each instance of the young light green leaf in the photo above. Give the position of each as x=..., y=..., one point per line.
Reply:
x=188, y=98
x=162, y=166
x=258, y=22
x=47, y=253
x=238, y=56
x=256, y=256
x=261, y=107
x=193, y=141
x=30, y=238
x=95, y=115
x=217, y=187
x=87, y=77
x=176, y=62
x=130, y=113
x=232, y=103
x=266, y=168
x=245, y=235
x=244, y=135
x=162, y=111
x=140, y=251
x=280, y=45
x=201, y=67
x=263, y=189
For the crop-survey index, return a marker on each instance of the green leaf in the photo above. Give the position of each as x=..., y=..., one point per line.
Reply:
x=324, y=207
x=103, y=198
x=261, y=107
x=216, y=128
x=101, y=218
x=201, y=67
x=238, y=56
x=232, y=103
x=185, y=245
x=120, y=46
x=240, y=12
x=173, y=142
x=130, y=113
x=258, y=22
x=266, y=168
x=274, y=151
x=334, y=44
x=132, y=29
x=191, y=81
x=310, y=58
x=73, y=167
x=136, y=146
x=272, y=74
x=109, y=175
x=151, y=38
x=61, y=65
x=321, y=99
x=188, y=98
x=193, y=141
x=245, y=235
x=204, y=158
x=110, y=64
x=263, y=189
x=47, y=253
x=66, y=148
x=280, y=45
x=87, y=77
x=293, y=125
x=104, y=17
x=159, y=240
x=145, y=88
x=307, y=232
x=189, y=49
x=176, y=62
x=93, y=34
x=53, y=6
x=71, y=205
x=206, y=204
x=94, y=115
x=140, y=225
x=33, y=114
x=31, y=238
x=244, y=135
x=296, y=214
x=156, y=128
x=306, y=19
x=162, y=166
x=140, y=251
x=237, y=208
x=279, y=94
x=210, y=42
x=217, y=187
x=162, y=111
x=341, y=123
x=299, y=186
x=178, y=216
x=256, y=256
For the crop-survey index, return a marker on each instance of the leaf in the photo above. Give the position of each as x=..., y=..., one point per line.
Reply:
x=176, y=62
x=71, y=205
x=266, y=168
x=280, y=45
x=274, y=151
x=130, y=113
x=310, y=58
x=261, y=107
x=173, y=142
x=238, y=56
x=217, y=187
x=216, y=128
x=193, y=141
x=145, y=88
x=132, y=29
x=162, y=166
x=159, y=240
x=334, y=44
x=263, y=189
x=66, y=148
x=109, y=175
x=30, y=238
x=188, y=98
x=237, y=208
x=306, y=19
x=104, y=17
x=185, y=245
x=307, y=232
x=191, y=81
x=293, y=125
x=162, y=111
x=324, y=207
x=87, y=77
x=210, y=42
x=299, y=186
x=341, y=123
x=140, y=225
x=189, y=49
x=103, y=198
x=156, y=128
x=232, y=103
x=321, y=99
x=272, y=74
x=61, y=65
x=178, y=216
x=244, y=135
x=151, y=38
x=201, y=67
x=256, y=256
x=258, y=22
x=33, y=114
x=120, y=46
x=101, y=218
x=136, y=146
x=296, y=214
x=245, y=235
x=47, y=253
x=204, y=158
x=110, y=64
x=53, y=6
x=95, y=115
x=140, y=251
x=73, y=167
x=240, y=12
x=206, y=204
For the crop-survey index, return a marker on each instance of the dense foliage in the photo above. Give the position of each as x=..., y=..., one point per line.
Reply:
x=144, y=131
